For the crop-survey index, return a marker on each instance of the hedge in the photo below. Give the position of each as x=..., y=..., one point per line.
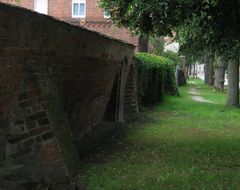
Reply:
x=156, y=76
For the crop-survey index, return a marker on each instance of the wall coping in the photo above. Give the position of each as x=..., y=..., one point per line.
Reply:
x=54, y=19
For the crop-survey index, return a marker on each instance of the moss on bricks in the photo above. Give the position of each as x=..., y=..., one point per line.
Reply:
x=61, y=129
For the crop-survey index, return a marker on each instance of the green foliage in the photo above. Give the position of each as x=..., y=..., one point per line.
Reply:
x=192, y=40
x=156, y=45
x=150, y=17
x=172, y=56
x=157, y=48
x=207, y=23
x=156, y=77
x=18, y=2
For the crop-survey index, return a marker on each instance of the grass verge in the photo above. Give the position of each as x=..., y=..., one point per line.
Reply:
x=182, y=145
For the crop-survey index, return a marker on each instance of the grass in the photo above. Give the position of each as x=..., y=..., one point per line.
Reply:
x=177, y=145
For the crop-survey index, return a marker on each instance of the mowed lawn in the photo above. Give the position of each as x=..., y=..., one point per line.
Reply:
x=179, y=144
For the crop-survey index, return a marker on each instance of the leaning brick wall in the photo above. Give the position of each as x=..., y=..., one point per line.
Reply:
x=56, y=80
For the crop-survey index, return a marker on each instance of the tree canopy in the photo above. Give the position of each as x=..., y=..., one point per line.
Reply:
x=206, y=23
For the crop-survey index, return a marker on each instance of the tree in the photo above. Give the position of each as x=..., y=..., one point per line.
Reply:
x=193, y=44
x=151, y=17
x=173, y=56
x=156, y=45
x=208, y=66
x=217, y=23
x=143, y=43
x=233, y=84
x=219, y=76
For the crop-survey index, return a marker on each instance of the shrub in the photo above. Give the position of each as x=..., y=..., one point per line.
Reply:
x=156, y=76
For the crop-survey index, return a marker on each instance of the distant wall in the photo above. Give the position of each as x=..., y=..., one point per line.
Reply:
x=109, y=29
x=55, y=84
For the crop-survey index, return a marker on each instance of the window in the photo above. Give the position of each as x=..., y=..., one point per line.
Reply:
x=106, y=14
x=41, y=6
x=78, y=8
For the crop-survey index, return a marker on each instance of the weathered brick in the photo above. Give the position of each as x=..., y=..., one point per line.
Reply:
x=36, y=116
x=43, y=121
x=37, y=131
x=38, y=139
x=28, y=142
x=44, y=105
x=22, y=97
x=15, y=139
x=4, y=123
x=47, y=136
x=21, y=153
x=19, y=122
x=29, y=94
x=36, y=108
x=31, y=124
x=28, y=102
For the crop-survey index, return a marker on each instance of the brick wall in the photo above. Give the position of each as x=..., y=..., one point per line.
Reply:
x=55, y=82
x=62, y=9
x=107, y=28
x=24, y=3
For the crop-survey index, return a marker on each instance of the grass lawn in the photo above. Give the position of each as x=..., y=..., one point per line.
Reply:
x=178, y=145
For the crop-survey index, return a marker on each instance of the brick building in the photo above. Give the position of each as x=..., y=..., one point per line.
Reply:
x=86, y=13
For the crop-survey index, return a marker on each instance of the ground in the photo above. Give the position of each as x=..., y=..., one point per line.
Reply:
x=181, y=144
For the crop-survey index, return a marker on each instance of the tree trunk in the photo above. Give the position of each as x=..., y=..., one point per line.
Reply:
x=208, y=69
x=194, y=71
x=143, y=44
x=190, y=70
x=233, y=83
x=219, y=75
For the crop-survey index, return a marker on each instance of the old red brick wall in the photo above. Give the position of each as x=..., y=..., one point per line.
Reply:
x=93, y=10
x=62, y=9
x=108, y=29
x=56, y=80
x=29, y=4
